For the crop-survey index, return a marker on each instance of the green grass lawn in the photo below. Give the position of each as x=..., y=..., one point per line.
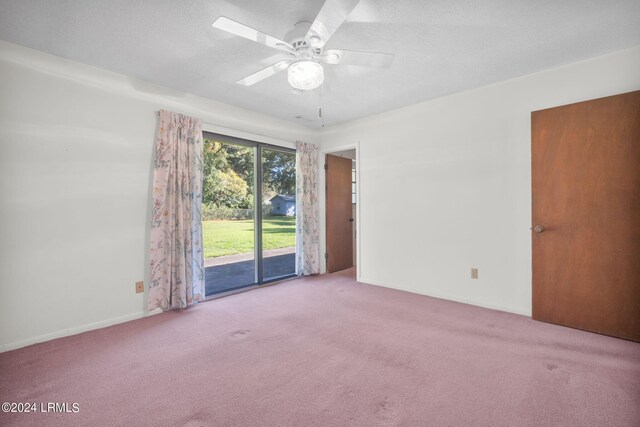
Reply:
x=228, y=237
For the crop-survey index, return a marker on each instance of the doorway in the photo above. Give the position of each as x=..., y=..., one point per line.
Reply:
x=340, y=210
x=248, y=213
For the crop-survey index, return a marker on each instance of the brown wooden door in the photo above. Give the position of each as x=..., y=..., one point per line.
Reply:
x=339, y=220
x=586, y=195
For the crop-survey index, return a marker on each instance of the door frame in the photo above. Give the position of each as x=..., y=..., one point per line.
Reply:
x=257, y=181
x=323, y=208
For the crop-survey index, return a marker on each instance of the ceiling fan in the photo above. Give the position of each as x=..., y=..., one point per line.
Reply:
x=305, y=46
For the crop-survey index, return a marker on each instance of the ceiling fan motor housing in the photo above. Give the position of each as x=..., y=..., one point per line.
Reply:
x=296, y=38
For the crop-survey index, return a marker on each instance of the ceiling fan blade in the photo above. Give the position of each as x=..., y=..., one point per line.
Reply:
x=329, y=19
x=238, y=29
x=264, y=73
x=358, y=57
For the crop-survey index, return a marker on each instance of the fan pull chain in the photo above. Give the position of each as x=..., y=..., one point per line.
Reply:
x=320, y=101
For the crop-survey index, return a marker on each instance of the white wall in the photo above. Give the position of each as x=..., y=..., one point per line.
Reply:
x=445, y=185
x=75, y=165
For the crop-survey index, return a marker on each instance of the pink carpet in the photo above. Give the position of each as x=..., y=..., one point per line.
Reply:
x=327, y=351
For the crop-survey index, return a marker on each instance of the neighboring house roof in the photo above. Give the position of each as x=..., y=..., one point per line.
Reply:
x=285, y=198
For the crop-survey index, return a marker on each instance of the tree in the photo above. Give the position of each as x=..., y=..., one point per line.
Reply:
x=229, y=172
x=225, y=189
x=279, y=171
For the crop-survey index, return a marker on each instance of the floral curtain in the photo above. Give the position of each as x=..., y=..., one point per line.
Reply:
x=308, y=258
x=177, y=258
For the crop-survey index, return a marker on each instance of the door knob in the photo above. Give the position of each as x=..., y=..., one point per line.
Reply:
x=350, y=219
x=538, y=228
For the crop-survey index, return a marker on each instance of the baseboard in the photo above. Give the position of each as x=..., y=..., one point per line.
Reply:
x=73, y=331
x=121, y=319
x=508, y=309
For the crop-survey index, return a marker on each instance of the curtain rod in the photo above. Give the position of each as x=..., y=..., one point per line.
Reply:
x=240, y=133
x=247, y=134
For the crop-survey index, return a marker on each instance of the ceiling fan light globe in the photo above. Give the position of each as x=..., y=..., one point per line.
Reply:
x=305, y=75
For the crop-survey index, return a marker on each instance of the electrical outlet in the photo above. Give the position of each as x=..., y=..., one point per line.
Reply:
x=474, y=273
x=139, y=287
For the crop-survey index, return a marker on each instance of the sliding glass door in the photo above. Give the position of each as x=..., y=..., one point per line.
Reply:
x=248, y=213
x=279, y=213
x=228, y=215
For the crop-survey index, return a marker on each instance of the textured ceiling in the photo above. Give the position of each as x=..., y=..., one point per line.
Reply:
x=441, y=46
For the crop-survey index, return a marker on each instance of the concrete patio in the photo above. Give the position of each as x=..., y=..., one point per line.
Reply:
x=227, y=273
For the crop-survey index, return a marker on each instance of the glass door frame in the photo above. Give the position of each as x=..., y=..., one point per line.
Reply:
x=257, y=203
